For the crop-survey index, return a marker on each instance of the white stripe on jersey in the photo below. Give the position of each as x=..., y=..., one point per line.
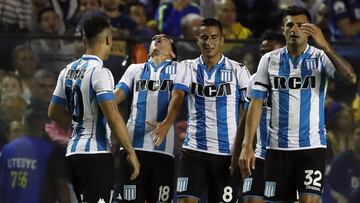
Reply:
x=86, y=83
x=213, y=104
x=298, y=90
x=151, y=87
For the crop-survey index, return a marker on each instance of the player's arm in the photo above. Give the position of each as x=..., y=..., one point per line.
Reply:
x=59, y=113
x=120, y=95
x=123, y=88
x=247, y=155
x=162, y=128
x=117, y=125
x=342, y=66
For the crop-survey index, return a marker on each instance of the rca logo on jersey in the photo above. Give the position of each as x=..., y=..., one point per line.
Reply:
x=226, y=75
x=129, y=192
x=152, y=85
x=294, y=82
x=211, y=90
x=182, y=183
x=270, y=188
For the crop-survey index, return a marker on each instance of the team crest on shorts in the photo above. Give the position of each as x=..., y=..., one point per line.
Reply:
x=247, y=184
x=182, y=183
x=129, y=192
x=270, y=188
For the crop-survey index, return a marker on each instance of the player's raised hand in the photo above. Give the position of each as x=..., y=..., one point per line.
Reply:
x=134, y=164
x=160, y=131
x=247, y=161
x=316, y=33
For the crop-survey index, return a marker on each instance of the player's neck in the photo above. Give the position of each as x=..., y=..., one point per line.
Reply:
x=211, y=62
x=296, y=50
x=96, y=52
x=159, y=59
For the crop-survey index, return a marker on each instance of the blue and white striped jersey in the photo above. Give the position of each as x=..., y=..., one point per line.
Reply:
x=213, y=104
x=262, y=138
x=298, y=89
x=151, y=86
x=81, y=86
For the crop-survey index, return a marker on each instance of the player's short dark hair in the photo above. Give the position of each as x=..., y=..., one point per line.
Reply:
x=271, y=34
x=296, y=10
x=212, y=22
x=93, y=26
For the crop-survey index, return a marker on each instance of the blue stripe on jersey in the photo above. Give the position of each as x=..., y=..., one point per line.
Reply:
x=321, y=109
x=92, y=95
x=105, y=97
x=258, y=94
x=237, y=99
x=123, y=86
x=284, y=71
x=101, y=132
x=163, y=102
x=221, y=118
x=58, y=100
x=182, y=87
x=78, y=128
x=200, y=112
x=139, y=131
x=263, y=132
x=305, y=106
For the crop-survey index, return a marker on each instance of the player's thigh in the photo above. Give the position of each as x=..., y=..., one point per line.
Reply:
x=222, y=186
x=310, y=171
x=125, y=189
x=280, y=181
x=253, y=186
x=191, y=177
x=162, y=178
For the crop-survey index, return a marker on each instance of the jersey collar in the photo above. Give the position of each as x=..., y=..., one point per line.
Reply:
x=88, y=57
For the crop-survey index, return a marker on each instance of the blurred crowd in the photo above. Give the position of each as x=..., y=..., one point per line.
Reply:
x=31, y=78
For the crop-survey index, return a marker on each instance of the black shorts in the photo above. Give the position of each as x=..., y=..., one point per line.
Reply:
x=202, y=173
x=92, y=176
x=155, y=182
x=291, y=171
x=253, y=186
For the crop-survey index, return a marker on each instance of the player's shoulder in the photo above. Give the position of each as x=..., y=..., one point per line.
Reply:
x=232, y=64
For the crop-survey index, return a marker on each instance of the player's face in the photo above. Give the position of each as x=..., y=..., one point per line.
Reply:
x=269, y=45
x=161, y=45
x=210, y=41
x=292, y=32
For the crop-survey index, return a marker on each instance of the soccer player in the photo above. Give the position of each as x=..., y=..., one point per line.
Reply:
x=296, y=78
x=155, y=88
x=84, y=94
x=216, y=87
x=253, y=186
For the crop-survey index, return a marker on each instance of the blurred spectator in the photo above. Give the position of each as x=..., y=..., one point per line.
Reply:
x=86, y=7
x=169, y=16
x=31, y=169
x=11, y=85
x=225, y=12
x=345, y=19
x=66, y=9
x=311, y=5
x=207, y=7
x=271, y=40
x=190, y=26
x=259, y=15
x=344, y=175
x=15, y=130
x=25, y=63
x=54, y=54
x=11, y=109
x=355, y=196
x=321, y=19
x=15, y=16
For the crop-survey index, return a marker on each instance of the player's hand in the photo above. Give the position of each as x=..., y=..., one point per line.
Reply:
x=316, y=33
x=160, y=131
x=247, y=161
x=134, y=164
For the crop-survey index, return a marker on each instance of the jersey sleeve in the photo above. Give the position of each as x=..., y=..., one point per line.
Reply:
x=243, y=78
x=58, y=96
x=103, y=84
x=127, y=80
x=329, y=67
x=261, y=81
x=183, y=77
